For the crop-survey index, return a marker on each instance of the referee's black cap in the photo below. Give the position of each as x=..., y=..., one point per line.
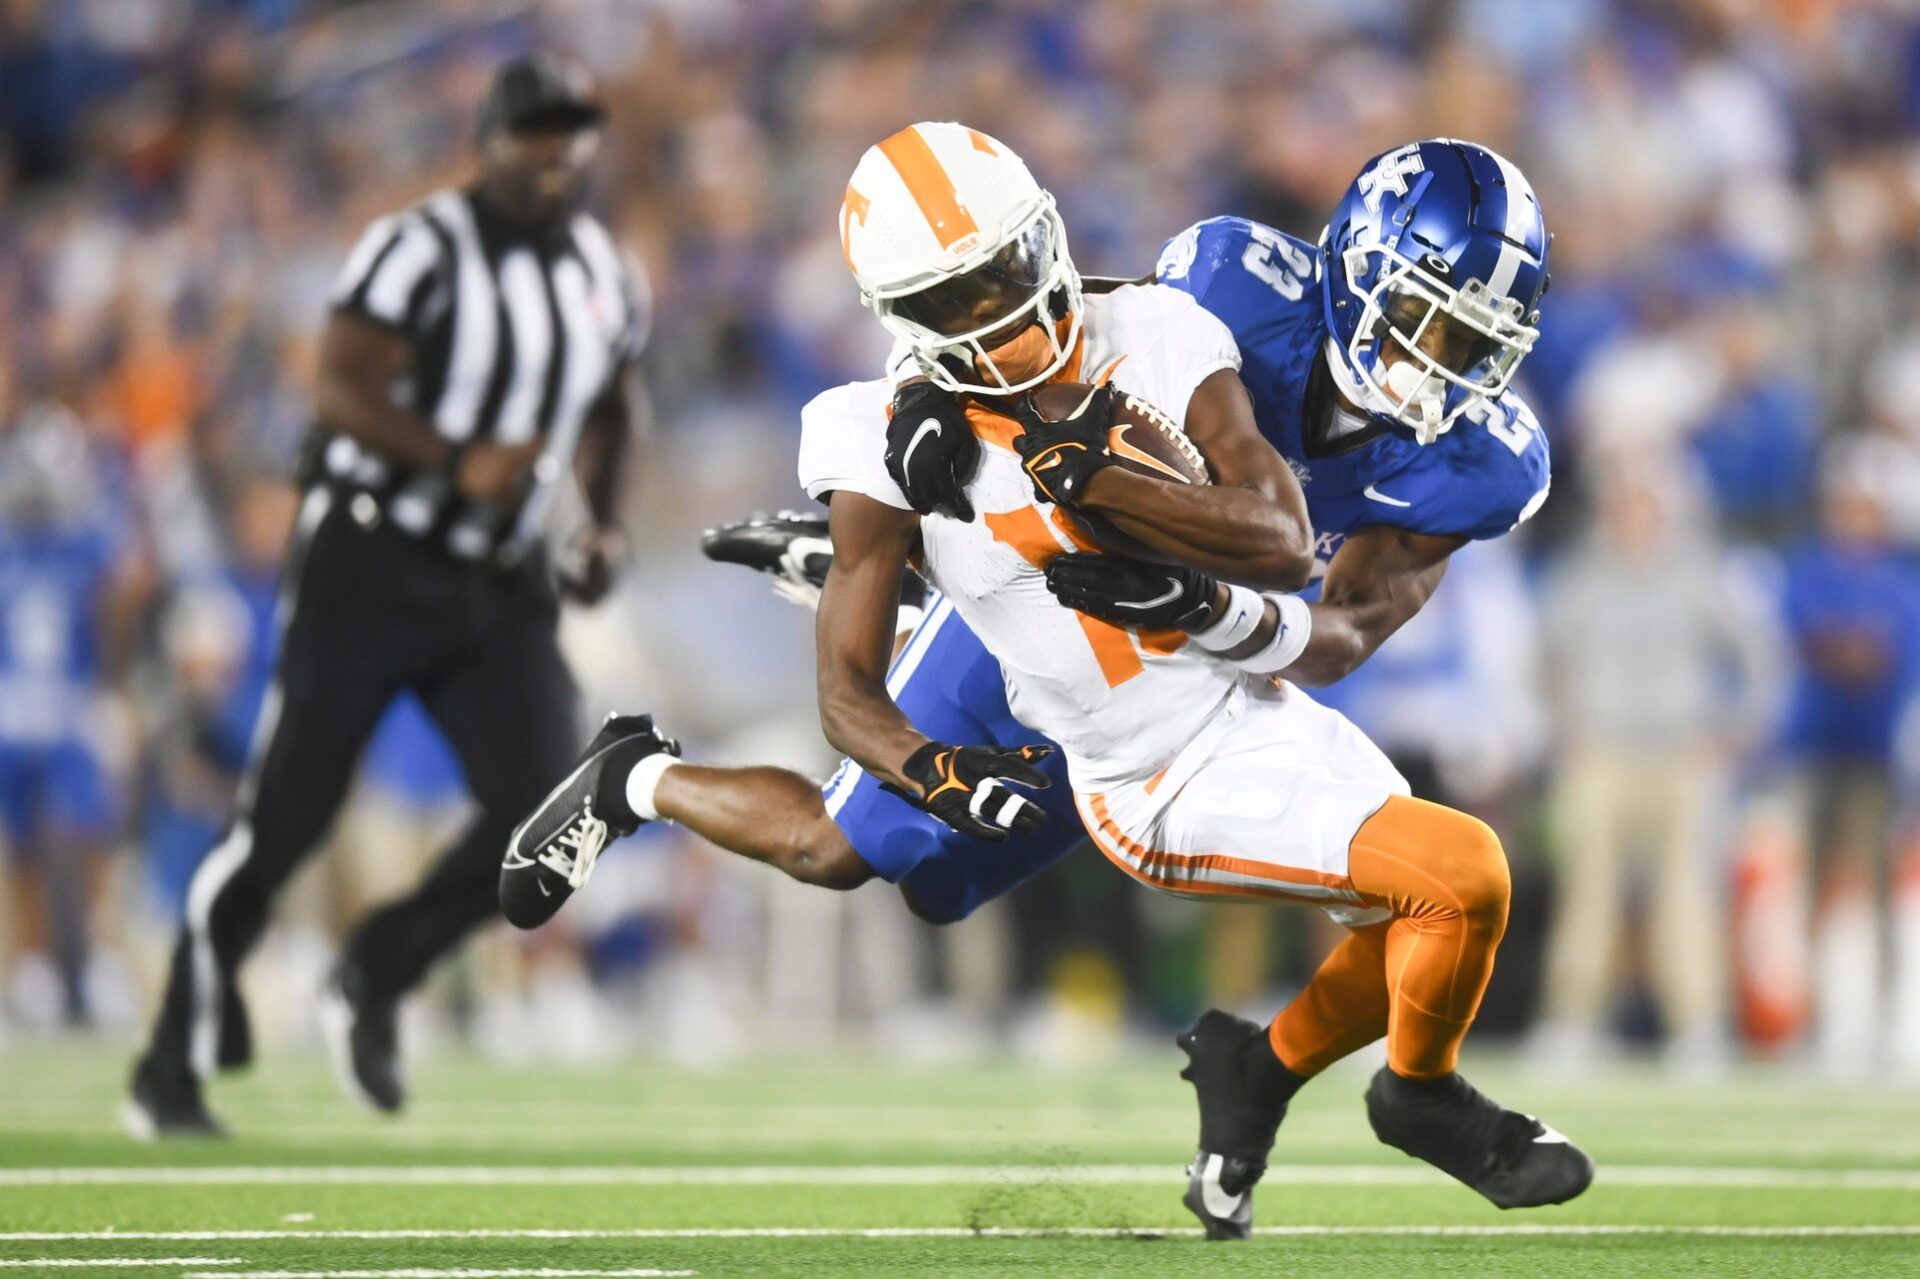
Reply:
x=541, y=91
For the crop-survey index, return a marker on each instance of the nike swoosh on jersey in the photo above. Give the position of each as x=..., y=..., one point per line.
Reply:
x=931, y=424
x=1172, y=594
x=1217, y=1201
x=1378, y=496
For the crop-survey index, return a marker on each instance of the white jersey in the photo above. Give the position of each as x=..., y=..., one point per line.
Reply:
x=1119, y=704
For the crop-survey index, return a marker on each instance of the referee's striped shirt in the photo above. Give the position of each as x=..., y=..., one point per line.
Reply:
x=512, y=338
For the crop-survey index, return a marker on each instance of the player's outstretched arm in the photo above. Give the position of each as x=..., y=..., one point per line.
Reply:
x=970, y=788
x=1379, y=578
x=1249, y=526
x=854, y=635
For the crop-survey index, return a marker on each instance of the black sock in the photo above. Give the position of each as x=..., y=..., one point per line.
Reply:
x=610, y=800
x=1267, y=1073
x=1441, y=1088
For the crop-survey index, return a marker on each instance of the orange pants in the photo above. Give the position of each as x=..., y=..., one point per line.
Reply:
x=1418, y=977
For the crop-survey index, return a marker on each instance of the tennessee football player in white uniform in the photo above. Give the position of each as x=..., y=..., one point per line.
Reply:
x=1193, y=765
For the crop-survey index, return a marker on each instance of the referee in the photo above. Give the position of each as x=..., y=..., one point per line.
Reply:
x=479, y=342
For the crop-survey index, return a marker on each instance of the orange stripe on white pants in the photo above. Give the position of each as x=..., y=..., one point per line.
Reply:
x=1207, y=874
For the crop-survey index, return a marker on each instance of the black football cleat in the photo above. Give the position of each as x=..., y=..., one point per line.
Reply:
x=1513, y=1159
x=1243, y=1096
x=163, y=1101
x=793, y=547
x=553, y=851
x=363, y=1040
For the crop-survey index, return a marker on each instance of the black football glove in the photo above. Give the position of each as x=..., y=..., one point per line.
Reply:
x=971, y=788
x=931, y=450
x=1146, y=597
x=1062, y=456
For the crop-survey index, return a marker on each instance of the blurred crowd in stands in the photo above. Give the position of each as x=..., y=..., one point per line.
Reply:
x=1683, y=693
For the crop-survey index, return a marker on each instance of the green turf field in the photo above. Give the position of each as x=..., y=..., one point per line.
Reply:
x=827, y=1169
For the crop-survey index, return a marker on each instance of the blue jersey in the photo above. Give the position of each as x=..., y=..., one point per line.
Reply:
x=52, y=579
x=1479, y=480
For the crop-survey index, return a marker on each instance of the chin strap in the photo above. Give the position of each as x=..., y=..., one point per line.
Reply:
x=1424, y=393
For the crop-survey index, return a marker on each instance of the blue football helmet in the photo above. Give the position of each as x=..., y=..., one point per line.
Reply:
x=1433, y=269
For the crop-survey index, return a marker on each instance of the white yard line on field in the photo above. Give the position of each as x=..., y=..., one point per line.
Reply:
x=88, y=1263
x=962, y=1232
x=462, y=1273
x=1751, y=1178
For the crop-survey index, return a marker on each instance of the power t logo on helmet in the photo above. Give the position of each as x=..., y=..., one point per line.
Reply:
x=963, y=257
x=1432, y=272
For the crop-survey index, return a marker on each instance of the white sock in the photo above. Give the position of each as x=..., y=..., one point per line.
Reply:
x=644, y=780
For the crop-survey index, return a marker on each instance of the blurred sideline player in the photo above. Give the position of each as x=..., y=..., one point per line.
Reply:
x=68, y=590
x=1200, y=772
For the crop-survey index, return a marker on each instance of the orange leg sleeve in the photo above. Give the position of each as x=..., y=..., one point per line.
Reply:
x=1343, y=1009
x=1444, y=876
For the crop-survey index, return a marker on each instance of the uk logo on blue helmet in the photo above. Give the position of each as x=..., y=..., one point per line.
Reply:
x=1435, y=263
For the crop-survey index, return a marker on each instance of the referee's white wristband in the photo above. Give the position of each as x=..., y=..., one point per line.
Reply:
x=1289, y=638
x=1234, y=623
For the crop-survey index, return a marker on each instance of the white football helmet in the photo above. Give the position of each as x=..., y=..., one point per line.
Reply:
x=953, y=243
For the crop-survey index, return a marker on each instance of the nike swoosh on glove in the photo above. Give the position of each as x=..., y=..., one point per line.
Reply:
x=1060, y=457
x=1126, y=592
x=931, y=450
x=972, y=788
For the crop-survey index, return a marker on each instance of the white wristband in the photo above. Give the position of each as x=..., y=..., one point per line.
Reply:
x=1289, y=638
x=1234, y=623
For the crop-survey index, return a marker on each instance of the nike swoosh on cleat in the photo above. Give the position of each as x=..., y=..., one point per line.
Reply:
x=542, y=886
x=1173, y=593
x=932, y=424
x=1550, y=1137
x=516, y=860
x=1378, y=496
x=1217, y=1201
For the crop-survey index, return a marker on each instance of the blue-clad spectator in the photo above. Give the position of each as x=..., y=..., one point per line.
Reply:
x=1852, y=607
x=217, y=648
x=1758, y=444
x=60, y=550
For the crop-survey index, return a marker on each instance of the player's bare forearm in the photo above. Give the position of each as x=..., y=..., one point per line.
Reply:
x=1249, y=526
x=1232, y=533
x=855, y=632
x=1377, y=581
x=360, y=362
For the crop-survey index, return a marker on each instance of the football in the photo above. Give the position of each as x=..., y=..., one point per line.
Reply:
x=1143, y=440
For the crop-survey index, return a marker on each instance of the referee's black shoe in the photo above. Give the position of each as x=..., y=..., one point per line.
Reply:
x=164, y=1100
x=1243, y=1092
x=553, y=851
x=1513, y=1159
x=363, y=1040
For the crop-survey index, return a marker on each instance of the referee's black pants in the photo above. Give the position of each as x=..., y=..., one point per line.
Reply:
x=369, y=611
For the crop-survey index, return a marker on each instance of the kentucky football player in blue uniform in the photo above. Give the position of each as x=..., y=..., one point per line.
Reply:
x=1380, y=365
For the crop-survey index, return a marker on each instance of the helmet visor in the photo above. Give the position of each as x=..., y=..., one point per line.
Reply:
x=989, y=294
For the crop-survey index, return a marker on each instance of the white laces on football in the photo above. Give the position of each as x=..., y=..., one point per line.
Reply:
x=574, y=851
